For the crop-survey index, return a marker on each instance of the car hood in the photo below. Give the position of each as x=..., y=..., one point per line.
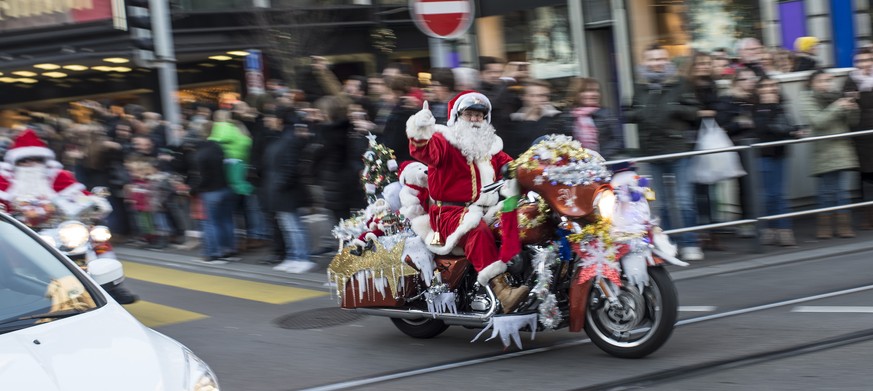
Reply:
x=104, y=349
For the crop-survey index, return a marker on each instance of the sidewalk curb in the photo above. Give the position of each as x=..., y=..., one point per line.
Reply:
x=764, y=260
x=318, y=281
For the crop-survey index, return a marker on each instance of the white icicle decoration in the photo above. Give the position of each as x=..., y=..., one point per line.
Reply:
x=421, y=257
x=441, y=303
x=634, y=266
x=550, y=316
x=508, y=326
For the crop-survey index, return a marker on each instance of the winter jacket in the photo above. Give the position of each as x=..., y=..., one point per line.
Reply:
x=519, y=134
x=729, y=109
x=825, y=119
x=340, y=166
x=610, y=134
x=283, y=185
x=665, y=117
x=235, y=144
x=394, y=133
x=864, y=144
x=209, y=168
x=772, y=124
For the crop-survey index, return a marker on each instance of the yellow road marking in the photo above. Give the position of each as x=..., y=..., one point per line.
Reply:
x=157, y=315
x=244, y=289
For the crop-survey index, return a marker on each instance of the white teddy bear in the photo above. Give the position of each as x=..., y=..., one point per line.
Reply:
x=414, y=197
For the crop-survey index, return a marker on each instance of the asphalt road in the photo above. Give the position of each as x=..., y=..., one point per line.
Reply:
x=771, y=323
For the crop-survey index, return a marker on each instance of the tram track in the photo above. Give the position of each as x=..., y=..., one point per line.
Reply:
x=660, y=376
x=697, y=370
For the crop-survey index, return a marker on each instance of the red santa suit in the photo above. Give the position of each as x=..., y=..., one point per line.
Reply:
x=455, y=184
x=49, y=181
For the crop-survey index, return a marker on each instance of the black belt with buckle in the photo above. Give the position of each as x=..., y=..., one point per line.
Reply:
x=450, y=203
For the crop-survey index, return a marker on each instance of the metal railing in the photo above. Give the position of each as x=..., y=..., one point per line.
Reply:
x=751, y=178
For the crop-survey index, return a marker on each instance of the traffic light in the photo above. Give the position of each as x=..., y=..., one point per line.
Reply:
x=139, y=23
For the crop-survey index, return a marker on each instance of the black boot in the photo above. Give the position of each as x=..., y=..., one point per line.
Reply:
x=121, y=294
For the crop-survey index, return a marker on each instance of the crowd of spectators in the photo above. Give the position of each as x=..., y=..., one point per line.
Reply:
x=247, y=175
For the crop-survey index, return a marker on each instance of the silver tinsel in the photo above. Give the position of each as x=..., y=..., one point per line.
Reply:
x=583, y=172
x=549, y=313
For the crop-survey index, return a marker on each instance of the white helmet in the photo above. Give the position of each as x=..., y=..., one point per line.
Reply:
x=468, y=100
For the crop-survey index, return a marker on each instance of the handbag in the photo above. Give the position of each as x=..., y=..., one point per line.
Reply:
x=714, y=167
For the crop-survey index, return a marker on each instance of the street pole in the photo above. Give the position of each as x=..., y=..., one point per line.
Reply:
x=165, y=60
x=439, y=58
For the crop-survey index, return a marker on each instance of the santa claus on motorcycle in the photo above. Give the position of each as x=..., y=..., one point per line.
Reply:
x=36, y=190
x=464, y=157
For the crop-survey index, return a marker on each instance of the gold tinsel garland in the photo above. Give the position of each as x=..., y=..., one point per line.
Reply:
x=382, y=262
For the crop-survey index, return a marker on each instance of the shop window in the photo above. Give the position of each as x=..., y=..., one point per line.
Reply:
x=541, y=36
x=597, y=11
x=706, y=24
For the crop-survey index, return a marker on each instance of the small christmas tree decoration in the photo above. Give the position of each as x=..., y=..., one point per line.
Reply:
x=380, y=168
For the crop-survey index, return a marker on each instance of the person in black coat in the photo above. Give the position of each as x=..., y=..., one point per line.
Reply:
x=286, y=193
x=210, y=185
x=339, y=165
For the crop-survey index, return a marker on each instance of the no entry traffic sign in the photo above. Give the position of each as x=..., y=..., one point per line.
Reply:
x=442, y=18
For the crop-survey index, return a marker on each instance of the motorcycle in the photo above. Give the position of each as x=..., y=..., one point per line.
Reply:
x=591, y=255
x=72, y=226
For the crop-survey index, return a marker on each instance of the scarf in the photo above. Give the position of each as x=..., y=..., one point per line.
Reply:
x=864, y=82
x=657, y=79
x=584, y=130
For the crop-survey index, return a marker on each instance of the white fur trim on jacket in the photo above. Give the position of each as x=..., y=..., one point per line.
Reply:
x=15, y=154
x=421, y=226
x=5, y=196
x=416, y=132
x=72, y=190
x=493, y=270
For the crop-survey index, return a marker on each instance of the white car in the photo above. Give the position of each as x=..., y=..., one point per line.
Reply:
x=60, y=331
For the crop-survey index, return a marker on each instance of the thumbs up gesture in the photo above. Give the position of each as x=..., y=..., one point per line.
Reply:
x=424, y=117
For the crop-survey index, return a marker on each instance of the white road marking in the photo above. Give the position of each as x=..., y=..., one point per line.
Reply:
x=567, y=344
x=442, y=7
x=697, y=308
x=833, y=309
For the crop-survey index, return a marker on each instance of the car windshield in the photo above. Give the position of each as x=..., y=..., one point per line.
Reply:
x=35, y=285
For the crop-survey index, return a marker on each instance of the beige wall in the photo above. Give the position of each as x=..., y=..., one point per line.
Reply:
x=490, y=33
x=643, y=30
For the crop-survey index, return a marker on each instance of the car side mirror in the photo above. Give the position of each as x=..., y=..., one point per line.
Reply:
x=105, y=270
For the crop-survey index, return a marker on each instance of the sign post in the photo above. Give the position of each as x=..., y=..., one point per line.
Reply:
x=442, y=20
x=254, y=72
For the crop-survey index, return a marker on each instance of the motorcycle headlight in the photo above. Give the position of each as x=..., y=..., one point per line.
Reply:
x=73, y=234
x=198, y=375
x=101, y=234
x=605, y=203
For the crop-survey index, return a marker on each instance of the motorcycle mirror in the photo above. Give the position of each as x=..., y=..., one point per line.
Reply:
x=101, y=191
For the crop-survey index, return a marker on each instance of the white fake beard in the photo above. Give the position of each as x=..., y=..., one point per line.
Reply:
x=31, y=182
x=473, y=139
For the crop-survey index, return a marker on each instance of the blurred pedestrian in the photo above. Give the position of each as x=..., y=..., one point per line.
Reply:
x=596, y=127
x=665, y=110
x=772, y=123
x=828, y=112
x=735, y=114
x=750, y=51
x=859, y=85
x=536, y=118
x=805, y=51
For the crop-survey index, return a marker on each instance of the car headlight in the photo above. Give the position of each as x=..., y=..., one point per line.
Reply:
x=198, y=375
x=101, y=234
x=605, y=202
x=73, y=234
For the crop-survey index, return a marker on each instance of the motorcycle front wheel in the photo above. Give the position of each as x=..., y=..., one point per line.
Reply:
x=642, y=322
x=420, y=328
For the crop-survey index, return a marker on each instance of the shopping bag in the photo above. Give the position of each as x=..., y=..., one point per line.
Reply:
x=714, y=167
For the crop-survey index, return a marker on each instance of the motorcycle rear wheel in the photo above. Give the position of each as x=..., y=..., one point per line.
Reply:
x=420, y=328
x=646, y=323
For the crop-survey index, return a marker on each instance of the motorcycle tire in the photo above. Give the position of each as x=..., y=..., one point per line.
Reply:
x=420, y=328
x=661, y=307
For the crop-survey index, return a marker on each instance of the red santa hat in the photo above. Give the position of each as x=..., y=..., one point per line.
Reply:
x=28, y=145
x=468, y=100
